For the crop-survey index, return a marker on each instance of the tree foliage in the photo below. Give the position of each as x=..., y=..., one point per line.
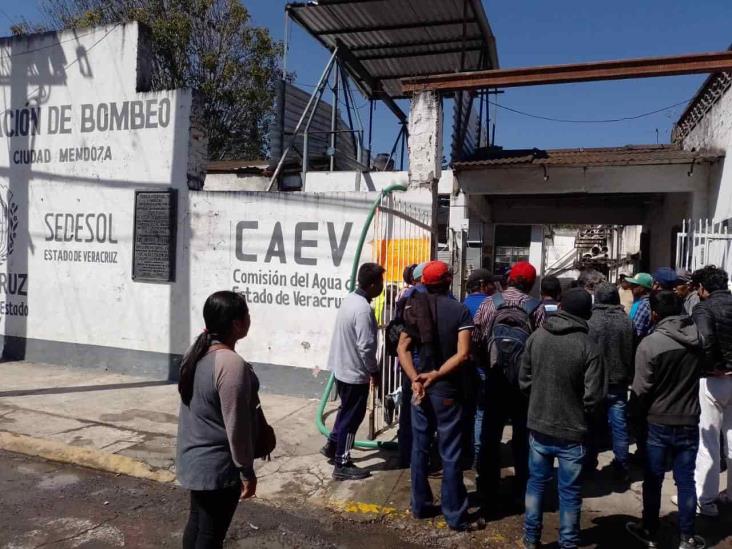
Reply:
x=206, y=45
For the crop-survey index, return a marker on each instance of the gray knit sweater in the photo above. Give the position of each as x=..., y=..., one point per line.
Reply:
x=612, y=331
x=215, y=435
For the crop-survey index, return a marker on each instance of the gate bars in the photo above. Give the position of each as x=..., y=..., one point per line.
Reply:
x=399, y=234
x=704, y=242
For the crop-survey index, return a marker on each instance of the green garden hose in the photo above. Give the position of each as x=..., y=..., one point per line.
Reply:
x=320, y=424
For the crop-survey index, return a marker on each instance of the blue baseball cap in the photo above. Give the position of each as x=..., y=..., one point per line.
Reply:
x=418, y=270
x=666, y=277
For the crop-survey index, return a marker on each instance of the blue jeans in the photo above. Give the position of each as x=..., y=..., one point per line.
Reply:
x=616, y=417
x=480, y=403
x=404, y=433
x=542, y=451
x=617, y=399
x=443, y=415
x=677, y=444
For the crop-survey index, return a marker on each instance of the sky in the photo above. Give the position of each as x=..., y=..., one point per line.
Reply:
x=538, y=32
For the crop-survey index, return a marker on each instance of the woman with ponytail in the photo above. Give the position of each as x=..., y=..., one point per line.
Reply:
x=215, y=454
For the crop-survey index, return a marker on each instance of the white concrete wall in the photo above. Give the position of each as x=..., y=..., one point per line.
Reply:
x=324, y=181
x=292, y=255
x=68, y=189
x=425, y=138
x=661, y=178
x=714, y=131
x=559, y=251
x=67, y=220
x=235, y=182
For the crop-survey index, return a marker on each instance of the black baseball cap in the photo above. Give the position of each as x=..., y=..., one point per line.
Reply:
x=479, y=274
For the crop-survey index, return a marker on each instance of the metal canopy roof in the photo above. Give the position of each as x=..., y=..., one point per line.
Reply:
x=387, y=40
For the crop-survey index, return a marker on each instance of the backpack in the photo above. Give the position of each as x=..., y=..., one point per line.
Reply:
x=420, y=322
x=512, y=326
x=396, y=325
x=392, y=334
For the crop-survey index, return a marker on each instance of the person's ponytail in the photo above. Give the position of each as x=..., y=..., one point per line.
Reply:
x=188, y=366
x=219, y=313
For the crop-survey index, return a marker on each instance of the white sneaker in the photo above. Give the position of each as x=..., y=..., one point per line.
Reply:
x=707, y=510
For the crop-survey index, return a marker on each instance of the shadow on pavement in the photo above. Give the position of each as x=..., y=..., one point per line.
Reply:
x=82, y=389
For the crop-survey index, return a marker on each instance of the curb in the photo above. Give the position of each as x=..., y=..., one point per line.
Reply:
x=86, y=457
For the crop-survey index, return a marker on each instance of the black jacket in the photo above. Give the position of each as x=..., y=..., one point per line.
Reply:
x=612, y=331
x=713, y=319
x=667, y=370
x=564, y=376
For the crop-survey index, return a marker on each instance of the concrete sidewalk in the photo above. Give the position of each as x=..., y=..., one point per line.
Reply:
x=128, y=425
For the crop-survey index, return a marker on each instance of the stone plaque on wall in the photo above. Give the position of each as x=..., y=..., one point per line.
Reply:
x=153, y=247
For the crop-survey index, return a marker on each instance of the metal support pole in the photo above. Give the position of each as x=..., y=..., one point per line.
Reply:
x=349, y=103
x=334, y=118
x=371, y=128
x=318, y=92
x=304, y=158
x=393, y=149
x=286, y=45
x=401, y=155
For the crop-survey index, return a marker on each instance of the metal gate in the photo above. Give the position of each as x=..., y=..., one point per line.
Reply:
x=400, y=236
x=704, y=242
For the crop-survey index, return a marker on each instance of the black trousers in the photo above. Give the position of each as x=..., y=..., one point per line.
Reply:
x=504, y=402
x=354, y=399
x=210, y=517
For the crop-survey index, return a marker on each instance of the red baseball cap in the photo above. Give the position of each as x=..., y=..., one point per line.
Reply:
x=436, y=272
x=524, y=270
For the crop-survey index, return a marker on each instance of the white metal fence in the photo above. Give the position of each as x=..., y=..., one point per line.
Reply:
x=704, y=242
x=400, y=236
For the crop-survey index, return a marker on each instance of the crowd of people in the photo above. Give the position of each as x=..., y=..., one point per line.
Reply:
x=648, y=358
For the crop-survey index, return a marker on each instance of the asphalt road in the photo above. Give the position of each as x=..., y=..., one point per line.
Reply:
x=45, y=504
x=48, y=504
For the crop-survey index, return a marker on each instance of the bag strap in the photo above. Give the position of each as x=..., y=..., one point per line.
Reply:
x=530, y=305
x=436, y=346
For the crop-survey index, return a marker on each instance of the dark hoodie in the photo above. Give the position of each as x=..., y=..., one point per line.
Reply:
x=667, y=371
x=612, y=331
x=563, y=374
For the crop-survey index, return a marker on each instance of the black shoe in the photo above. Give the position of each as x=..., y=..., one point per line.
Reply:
x=349, y=471
x=620, y=473
x=429, y=511
x=329, y=451
x=532, y=544
x=636, y=530
x=695, y=542
x=473, y=526
x=389, y=407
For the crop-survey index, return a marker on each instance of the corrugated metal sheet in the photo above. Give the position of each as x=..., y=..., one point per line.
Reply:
x=468, y=135
x=393, y=39
x=605, y=156
x=288, y=114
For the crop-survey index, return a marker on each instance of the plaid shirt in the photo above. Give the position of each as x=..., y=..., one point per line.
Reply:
x=486, y=315
x=642, y=321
